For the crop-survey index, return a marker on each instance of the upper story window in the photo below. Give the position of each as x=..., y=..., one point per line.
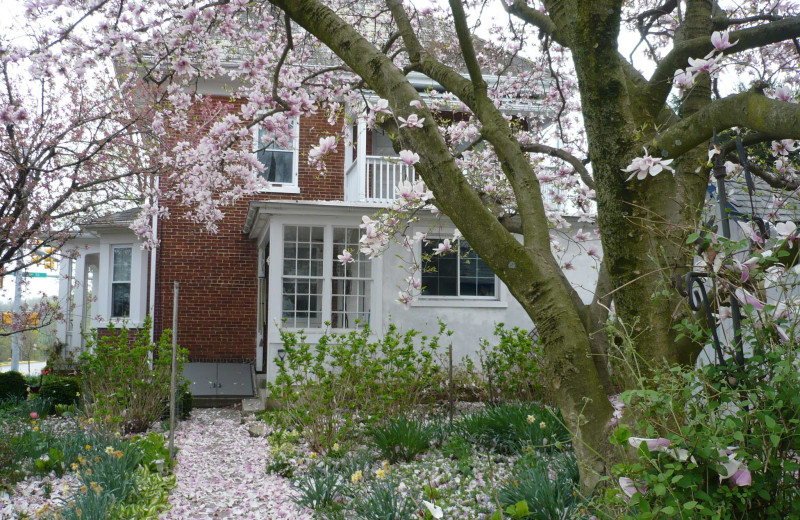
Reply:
x=280, y=161
x=458, y=273
x=121, y=282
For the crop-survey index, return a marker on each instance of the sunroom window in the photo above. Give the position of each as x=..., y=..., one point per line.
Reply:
x=352, y=281
x=303, y=254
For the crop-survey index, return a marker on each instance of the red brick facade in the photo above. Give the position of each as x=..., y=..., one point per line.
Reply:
x=218, y=272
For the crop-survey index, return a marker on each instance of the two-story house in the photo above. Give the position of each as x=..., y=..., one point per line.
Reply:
x=274, y=263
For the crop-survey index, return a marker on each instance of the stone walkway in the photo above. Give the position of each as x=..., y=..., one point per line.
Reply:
x=221, y=473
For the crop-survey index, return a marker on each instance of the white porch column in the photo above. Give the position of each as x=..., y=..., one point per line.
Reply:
x=361, y=159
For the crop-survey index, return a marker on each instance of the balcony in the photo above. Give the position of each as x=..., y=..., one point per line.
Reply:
x=374, y=178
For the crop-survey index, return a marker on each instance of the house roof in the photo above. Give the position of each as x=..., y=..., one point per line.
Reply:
x=119, y=219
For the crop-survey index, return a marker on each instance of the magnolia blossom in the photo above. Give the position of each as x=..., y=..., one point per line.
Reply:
x=325, y=146
x=660, y=444
x=750, y=232
x=443, y=247
x=413, y=121
x=784, y=94
x=380, y=106
x=721, y=40
x=683, y=81
x=416, y=103
x=784, y=146
x=409, y=157
x=346, y=257
x=748, y=299
x=700, y=65
x=405, y=298
x=629, y=487
x=642, y=166
x=786, y=230
x=435, y=511
x=734, y=469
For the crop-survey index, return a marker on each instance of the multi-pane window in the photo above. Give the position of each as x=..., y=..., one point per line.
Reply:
x=352, y=281
x=121, y=282
x=303, y=252
x=280, y=164
x=459, y=272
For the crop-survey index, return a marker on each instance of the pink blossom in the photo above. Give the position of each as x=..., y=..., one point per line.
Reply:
x=346, y=257
x=721, y=40
x=443, y=247
x=325, y=146
x=416, y=103
x=784, y=146
x=413, y=121
x=34, y=415
x=748, y=299
x=408, y=157
x=642, y=166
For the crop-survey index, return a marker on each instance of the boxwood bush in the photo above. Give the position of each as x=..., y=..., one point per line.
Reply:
x=13, y=385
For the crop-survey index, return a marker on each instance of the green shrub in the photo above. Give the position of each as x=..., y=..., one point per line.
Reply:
x=13, y=385
x=550, y=489
x=343, y=377
x=383, y=501
x=61, y=390
x=121, y=390
x=509, y=427
x=402, y=439
x=113, y=470
x=186, y=404
x=10, y=469
x=512, y=367
x=319, y=488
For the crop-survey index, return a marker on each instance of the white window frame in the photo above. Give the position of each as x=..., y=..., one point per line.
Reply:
x=327, y=277
x=294, y=187
x=426, y=300
x=112, y=282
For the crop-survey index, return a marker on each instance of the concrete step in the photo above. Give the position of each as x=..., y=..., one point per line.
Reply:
x=253, y=405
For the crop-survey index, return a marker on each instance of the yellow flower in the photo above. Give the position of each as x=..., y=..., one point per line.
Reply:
x=357, y=476
x=36, y=428
x=91, y=420
x=531, y=419
x=83, y=489
x=77, y=394
x=118, y=454
x=385, y=465
x=109, y=449
x=543, y=425
x=75, y=466
x=380, y=473
x=88, y=448
x=88, y=472
x=312, y=455
x=335, y=446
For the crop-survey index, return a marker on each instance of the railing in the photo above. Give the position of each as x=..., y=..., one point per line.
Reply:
x=375, y=179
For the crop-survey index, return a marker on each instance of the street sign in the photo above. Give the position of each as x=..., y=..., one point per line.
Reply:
x=36, y=275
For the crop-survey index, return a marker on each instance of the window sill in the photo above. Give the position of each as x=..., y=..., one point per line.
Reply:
x=477, y=303
x=281, y=189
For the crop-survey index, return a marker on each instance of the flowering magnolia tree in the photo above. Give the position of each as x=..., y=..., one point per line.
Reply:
x=486, y=149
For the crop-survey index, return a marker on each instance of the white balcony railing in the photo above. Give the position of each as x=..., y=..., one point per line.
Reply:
x=375, y=179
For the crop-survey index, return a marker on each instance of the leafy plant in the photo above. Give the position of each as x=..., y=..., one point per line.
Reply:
x=113, y=470
x=61, y=390
x=402, y=439
x=122, y=391
x=13, y=385
x=716, y=441
x=319, y=488
x=328, y=385
x=384, y=501
x=512, y=367
x=549, y=489
x=509, y=427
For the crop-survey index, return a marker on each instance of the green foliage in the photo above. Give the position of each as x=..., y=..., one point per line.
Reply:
x=510, y=427
x=186, y=404
x=401, y=439
x=715, y=416
x=319, y=488
x=383, y=501
x=10, y=468
x=155, y=451
x=113, y=470
x=326, y=386
x=511, y=368
x=347, y=465
x=549, y=489
x=122, y=391
x=282, y=459
x=13, y=385
x=61, y=390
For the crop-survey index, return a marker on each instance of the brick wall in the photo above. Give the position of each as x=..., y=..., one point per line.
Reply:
x=218, y=272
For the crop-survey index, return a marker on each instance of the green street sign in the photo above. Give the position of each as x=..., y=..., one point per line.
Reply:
x=36, y=275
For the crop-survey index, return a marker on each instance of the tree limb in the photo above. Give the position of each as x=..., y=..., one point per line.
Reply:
x=749, y=109
x=576, y=163
x=544, y=23
x=750, y=38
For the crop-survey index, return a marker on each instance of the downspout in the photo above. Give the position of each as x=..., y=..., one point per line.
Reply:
x=151, y=304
